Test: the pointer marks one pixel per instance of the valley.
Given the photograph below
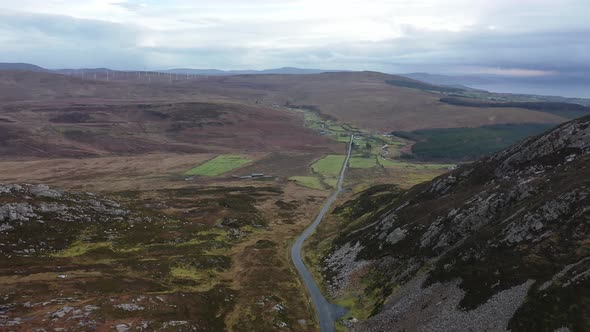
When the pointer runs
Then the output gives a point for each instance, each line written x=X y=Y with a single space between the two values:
x=144 y=203
x=294 y=166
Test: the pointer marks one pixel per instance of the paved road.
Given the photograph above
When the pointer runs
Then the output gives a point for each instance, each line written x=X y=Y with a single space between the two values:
x=326 y=312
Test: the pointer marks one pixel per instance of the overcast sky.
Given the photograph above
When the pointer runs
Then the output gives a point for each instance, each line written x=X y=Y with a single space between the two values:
x=515 y=37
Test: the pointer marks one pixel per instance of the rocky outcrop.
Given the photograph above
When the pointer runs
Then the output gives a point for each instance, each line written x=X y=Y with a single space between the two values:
x=344 y=262
x=494 y=237
x=435 y=308
x=50 y=218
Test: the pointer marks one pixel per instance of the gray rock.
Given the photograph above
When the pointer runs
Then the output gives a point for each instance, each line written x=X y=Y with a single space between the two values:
x=10 y=188
x=435 y=308
x=5 y=227
x=42 y=190
x=174 y=323
x=396 y=235
x=61 y=312
x=129 y=307
x=16 y=212
x=343 y=262
x=52 y=207
x=122 y=327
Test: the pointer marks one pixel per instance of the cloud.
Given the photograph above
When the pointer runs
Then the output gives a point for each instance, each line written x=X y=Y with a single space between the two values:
x=59 y=41
x=528 y=37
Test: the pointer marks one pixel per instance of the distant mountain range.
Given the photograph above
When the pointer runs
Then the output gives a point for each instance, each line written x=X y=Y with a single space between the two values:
x=552 y=85
x=21 y=66
x=217 y=72
x=191 y=71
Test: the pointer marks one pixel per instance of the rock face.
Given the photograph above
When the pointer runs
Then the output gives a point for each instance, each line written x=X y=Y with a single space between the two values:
x=492 y=245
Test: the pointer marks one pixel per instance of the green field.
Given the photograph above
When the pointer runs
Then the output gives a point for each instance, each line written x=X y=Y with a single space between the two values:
x=343 y=138
x=332 y=182
x=219 y=165
x=329 y=166
x=361 y=162
x=308 y=181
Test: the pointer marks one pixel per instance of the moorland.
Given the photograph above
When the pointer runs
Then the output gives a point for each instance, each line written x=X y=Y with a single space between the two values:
x=195 y=187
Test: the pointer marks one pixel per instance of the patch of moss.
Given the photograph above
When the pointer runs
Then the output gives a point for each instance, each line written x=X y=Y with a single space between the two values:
x=265 y=244
x=79 y=248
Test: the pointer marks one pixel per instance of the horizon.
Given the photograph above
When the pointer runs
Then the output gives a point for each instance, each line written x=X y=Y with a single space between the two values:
x=548 y=85
x=502 y=74
x=458 y=37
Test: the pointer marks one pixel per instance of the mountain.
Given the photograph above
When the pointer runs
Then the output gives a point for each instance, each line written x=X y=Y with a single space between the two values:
x=498 y=244
x=201 y=72
x=83 y=70
x=217 y=72
x=21 y=67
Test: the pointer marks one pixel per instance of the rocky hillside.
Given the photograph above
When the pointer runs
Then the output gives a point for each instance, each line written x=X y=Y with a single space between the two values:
x=500 y=244
x=72 y=261
x=35 y=219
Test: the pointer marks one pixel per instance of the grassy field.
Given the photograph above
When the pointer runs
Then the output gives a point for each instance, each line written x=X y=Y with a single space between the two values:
x=219 y=165
x=329 y=166
x=361 y=162
x=468 y=143
x=332 y=182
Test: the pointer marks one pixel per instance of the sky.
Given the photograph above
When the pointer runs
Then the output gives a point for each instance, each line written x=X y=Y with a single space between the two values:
x=525 y=38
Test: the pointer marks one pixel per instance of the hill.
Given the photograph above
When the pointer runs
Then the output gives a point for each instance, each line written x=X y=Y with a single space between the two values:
x=498 y=244
x=21 y=67
x=362 y=99
x=217 y=72
x=87 y=129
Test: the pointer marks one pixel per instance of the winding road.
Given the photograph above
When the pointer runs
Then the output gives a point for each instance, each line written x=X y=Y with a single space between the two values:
x=326 y=312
